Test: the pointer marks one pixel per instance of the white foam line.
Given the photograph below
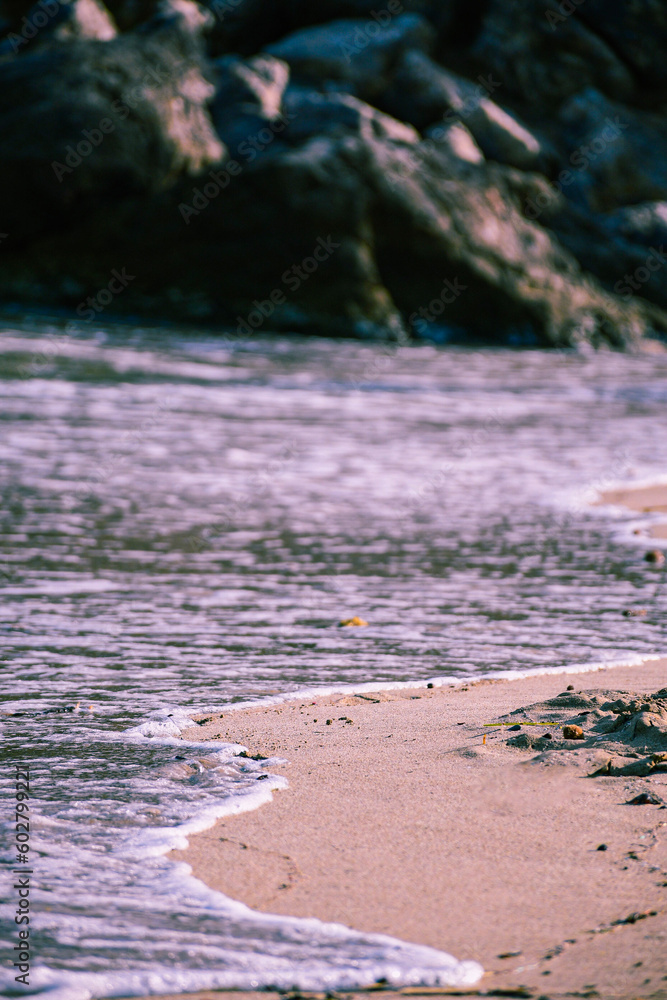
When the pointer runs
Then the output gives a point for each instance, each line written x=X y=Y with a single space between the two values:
x=626 y=532
x=302 y=694
x=156 y=841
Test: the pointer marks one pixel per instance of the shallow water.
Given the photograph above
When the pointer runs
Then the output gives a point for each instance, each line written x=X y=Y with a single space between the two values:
x=185 y=523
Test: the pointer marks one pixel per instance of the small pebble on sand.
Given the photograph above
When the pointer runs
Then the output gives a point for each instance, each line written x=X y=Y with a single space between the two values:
x=645 y=799
x=573 y=733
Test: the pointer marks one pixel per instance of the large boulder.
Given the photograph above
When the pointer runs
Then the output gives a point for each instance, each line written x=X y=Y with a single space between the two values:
x=93 y=120
x=357 y=55
x=247 y=26
x=422 y=93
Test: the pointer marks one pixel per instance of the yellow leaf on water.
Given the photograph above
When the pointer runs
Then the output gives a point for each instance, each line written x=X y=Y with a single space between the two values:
x=353 y=621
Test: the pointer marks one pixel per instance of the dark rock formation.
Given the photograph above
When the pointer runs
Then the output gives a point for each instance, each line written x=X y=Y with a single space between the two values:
x=344 y=168
x=89 y=122
x=50 y=21
x=356 y=55
x=619 y=153
x=423 y=93
x=543 y=56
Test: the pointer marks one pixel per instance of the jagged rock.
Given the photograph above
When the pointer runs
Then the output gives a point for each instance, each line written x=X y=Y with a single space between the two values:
x=90 y=120
x=455 y=141
x=53 y=21
x=645 y=799
x=358 y=55
x=469 y=228
x=421 y=93
x=312 y=114
x=248 y=101
x=348 y=225
x=256 y=84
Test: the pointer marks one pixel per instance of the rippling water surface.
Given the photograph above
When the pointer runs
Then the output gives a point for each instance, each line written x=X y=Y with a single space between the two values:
x=185 y=523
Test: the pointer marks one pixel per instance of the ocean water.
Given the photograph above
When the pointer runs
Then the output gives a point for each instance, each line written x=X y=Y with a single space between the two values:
x=185 y=522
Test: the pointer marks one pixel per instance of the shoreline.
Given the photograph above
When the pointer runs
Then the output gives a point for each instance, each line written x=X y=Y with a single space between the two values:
x=425 y=887
x=490 y=852
x=644 y=500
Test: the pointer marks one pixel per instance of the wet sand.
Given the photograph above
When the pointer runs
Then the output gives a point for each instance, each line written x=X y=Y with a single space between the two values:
x=646 y=500
x=408 y=814
x=400 y=818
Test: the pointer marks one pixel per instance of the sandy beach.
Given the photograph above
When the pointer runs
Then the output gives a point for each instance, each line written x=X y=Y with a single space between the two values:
x=421 y=814
x=646 y=500
x=401 y=818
